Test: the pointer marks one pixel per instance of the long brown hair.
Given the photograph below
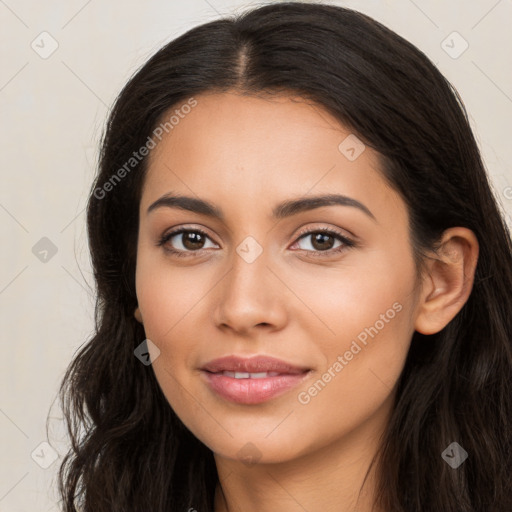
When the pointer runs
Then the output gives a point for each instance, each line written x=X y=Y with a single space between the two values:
x=130 y=452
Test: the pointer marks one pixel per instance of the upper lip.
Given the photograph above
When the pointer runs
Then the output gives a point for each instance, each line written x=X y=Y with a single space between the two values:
x=253 y=364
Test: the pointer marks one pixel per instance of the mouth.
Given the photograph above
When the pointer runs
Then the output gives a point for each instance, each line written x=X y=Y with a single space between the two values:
x=252 y=380
x=248 y=375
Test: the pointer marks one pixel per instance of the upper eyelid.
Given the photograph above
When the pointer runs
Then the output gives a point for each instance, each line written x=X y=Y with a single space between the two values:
x=337 y=231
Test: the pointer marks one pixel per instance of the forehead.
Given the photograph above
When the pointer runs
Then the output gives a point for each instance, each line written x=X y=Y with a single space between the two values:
x=255 y=151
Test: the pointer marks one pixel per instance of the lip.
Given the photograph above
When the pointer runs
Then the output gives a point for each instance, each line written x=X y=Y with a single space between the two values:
x=252 y=364
x=252 y=390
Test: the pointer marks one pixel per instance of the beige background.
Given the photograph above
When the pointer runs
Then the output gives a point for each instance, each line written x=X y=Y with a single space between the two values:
x=53 y=110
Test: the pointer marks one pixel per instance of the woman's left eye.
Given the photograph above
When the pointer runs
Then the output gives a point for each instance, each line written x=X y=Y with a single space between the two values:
x=322 y=240
x=193 y=240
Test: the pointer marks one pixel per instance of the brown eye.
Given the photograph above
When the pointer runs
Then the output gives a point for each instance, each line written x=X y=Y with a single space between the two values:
x=185 y=241
x=192 y=240
x=323 y=242
x=320 y=241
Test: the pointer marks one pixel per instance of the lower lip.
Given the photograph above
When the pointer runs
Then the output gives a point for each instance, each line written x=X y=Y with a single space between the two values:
x=252 y=391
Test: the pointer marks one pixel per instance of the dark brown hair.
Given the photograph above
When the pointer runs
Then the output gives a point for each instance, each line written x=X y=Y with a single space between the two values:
x=130 y=452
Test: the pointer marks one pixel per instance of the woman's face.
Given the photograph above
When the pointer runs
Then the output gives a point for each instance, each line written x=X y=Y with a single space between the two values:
x=260 y=278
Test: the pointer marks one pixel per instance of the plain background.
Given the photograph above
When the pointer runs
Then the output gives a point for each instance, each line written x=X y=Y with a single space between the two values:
x=53 y=111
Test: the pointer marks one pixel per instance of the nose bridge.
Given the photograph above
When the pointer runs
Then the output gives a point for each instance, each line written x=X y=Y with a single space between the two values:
x=248 y=295
x=249 y=272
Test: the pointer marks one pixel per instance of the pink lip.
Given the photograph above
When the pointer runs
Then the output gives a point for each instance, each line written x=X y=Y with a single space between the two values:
x=252 y=390
x=252 y=365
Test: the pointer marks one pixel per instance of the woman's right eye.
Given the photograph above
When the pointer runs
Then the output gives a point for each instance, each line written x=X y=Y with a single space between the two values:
x=190 y=240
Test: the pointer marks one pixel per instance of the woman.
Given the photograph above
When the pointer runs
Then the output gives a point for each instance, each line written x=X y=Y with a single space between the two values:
x=304 y=282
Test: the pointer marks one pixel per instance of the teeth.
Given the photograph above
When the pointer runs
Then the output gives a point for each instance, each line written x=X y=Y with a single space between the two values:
x=246 y=375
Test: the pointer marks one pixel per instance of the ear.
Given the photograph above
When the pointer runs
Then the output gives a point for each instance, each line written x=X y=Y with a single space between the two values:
x=137 y=315
x=448 y=281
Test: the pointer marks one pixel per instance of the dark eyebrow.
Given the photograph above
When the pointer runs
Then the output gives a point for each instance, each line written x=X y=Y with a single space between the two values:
x=281 y=211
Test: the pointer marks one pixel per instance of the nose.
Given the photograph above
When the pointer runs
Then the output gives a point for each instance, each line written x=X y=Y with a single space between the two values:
x=250 y=297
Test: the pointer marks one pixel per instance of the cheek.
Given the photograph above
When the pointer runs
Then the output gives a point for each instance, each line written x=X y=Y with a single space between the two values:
x=362 y=299
x=359 y=377
x=167 y=297
x=167 y=294
x=368 y=311
x=170 y=299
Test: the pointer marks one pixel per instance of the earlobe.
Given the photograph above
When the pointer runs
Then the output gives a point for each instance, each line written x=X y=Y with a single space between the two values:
x=449 y=280
x=137 y=315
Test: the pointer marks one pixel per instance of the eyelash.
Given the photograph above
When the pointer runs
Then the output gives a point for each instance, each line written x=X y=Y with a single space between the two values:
x=347 y=243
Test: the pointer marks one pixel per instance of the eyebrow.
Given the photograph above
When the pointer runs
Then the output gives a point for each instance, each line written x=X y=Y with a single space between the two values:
x=281 y=211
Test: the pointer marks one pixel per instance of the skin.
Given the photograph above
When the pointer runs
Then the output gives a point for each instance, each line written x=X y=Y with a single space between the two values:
x=245 y=155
